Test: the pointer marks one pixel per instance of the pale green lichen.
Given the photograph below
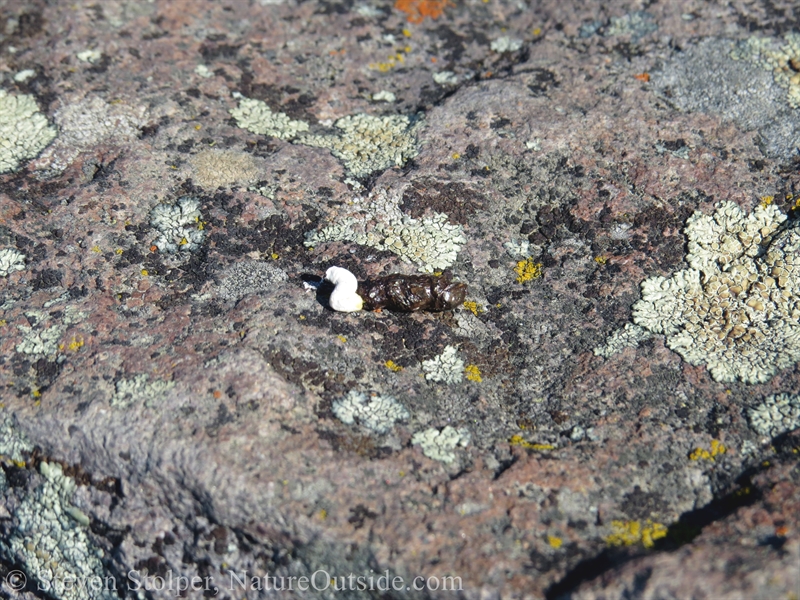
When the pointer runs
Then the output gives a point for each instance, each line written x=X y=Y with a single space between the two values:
x=257 y=117
x=384 y=96
x=11 y=260
x=377 y=413
x=506 y=44
x=783 y=60
x=48 y=540
x=39 y=342
x=629 y=336
x=431 y=242
x=179 y=224
x=367 y=143
x=14 y=445
x=447 y=367
x=445 y=78
x=778 y=414
x=441 y=445
x=24 y=131
x=637 y=24
x=140 y=389
x=736 y=308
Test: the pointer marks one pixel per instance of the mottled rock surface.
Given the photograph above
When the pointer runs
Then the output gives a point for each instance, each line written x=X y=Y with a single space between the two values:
x=158 y=343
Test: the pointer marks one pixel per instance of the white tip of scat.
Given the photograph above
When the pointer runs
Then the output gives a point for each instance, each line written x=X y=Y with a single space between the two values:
x=344 y=297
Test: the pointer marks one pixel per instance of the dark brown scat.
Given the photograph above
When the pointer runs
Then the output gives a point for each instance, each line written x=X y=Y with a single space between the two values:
x=409 y=293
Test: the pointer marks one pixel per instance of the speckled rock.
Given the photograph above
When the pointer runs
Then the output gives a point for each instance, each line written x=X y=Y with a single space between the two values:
x=158 y=344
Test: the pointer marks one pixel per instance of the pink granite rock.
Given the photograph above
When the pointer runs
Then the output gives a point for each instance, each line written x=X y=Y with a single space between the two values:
x=160 y=345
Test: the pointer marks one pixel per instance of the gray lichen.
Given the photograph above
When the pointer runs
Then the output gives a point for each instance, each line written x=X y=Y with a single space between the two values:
x=705 y=78
x=431 y=242
x=257 y=117
x=367 y=143
x=180 y=225
x=250 y=277
x=24 y=131
x=781 y=60
x=377 y=413
x=447 y=367
x=49 y=541
x=440 y=445
x=11 y=260
x=736 y=308
x=86 y=123
x=778 y=414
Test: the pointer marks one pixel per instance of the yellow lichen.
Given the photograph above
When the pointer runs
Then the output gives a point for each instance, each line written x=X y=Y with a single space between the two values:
x=555 y=542
x=473 y=373
x=717 y=448
x=628 y=533
x=342 y=338
x=527 y=270
x=76 y=344
x=766 y=201
x=518 y=440
x=600 y=260
x=96 y=249
x=393 y=366
x=473 y=307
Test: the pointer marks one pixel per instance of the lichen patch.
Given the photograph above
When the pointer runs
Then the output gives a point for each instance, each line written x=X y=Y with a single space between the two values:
x=736 y=308
x=378 y=414
x=257 y=117
x=24 y=131
x=220 y=168
x=431 y=242
x=367 y=143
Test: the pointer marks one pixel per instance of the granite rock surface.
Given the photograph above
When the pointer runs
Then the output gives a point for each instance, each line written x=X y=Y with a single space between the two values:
x=171 y=392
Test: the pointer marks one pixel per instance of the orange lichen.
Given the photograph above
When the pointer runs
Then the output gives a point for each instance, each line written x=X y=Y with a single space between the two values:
x=642 y=77
x=417 y=10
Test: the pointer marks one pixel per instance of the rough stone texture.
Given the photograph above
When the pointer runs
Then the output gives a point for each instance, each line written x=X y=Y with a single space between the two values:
x=190 y=395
